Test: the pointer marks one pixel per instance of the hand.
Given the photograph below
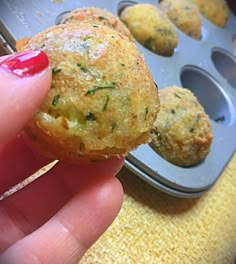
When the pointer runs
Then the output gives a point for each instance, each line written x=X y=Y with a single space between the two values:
x=56 y=218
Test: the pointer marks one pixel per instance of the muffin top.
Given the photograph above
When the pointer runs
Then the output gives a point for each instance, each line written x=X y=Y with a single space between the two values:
x=103 y=100
x=185 y=15
x=94 y=15
x=151 y=28
x=182 y=132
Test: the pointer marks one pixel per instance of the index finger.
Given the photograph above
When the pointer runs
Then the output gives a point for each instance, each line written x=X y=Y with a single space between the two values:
x=25 y=81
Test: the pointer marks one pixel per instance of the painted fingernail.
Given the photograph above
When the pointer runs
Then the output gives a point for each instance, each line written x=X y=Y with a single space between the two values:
x=26 y=63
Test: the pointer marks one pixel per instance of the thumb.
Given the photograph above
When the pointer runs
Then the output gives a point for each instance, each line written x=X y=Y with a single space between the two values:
x=25 y=80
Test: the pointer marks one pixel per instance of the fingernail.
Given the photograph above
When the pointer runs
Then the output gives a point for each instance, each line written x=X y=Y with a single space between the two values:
x=26 y=63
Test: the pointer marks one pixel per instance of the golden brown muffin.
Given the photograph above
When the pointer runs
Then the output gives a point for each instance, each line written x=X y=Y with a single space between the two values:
x=151 y=28
x=102 y=101
x=182 y=132
x=214 y=10
x=185 y=15
x=94 y=15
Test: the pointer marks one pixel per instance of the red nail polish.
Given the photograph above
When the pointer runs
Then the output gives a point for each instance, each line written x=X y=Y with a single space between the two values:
x=26 y=63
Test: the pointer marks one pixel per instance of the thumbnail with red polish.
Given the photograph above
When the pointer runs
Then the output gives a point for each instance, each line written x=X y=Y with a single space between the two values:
x=26 y=63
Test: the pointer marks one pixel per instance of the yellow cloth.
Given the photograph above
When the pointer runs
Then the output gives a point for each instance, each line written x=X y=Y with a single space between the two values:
x=153 y=227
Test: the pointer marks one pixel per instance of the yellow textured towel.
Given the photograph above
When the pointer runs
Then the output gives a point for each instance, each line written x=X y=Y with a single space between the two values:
x=153 y=227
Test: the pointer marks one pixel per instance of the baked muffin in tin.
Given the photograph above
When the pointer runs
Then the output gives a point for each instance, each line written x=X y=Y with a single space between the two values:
x=216 y=11
x=185 y=15
x=182 y=132
x=95 y=15
x=151 y=27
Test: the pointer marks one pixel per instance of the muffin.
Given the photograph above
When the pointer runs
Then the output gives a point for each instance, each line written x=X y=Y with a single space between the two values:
x=182 y=132
x=185 y=15
x=94 y=15
x=151 y=28
x=214 y=10
x=103 y=100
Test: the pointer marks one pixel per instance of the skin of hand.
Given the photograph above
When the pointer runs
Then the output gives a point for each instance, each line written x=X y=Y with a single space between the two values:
x=57 y=217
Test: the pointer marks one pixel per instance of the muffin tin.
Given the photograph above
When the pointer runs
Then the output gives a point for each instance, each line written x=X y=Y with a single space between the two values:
x=207 y=67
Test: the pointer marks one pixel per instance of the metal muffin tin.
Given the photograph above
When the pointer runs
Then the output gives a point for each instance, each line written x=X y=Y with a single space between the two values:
x=207 y=67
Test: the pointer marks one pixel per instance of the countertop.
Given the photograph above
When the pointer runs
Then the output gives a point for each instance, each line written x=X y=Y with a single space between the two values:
x=153 y=227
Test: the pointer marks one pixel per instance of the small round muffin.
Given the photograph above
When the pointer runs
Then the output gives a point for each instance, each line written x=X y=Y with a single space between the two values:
x=182 y=132
x=185 y=15
x=214 y=10
x=103 y=100
x=94 y=15
x=151 y=27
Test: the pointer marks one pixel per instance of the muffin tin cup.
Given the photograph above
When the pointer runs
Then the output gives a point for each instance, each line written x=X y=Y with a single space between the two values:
x=207 y=67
